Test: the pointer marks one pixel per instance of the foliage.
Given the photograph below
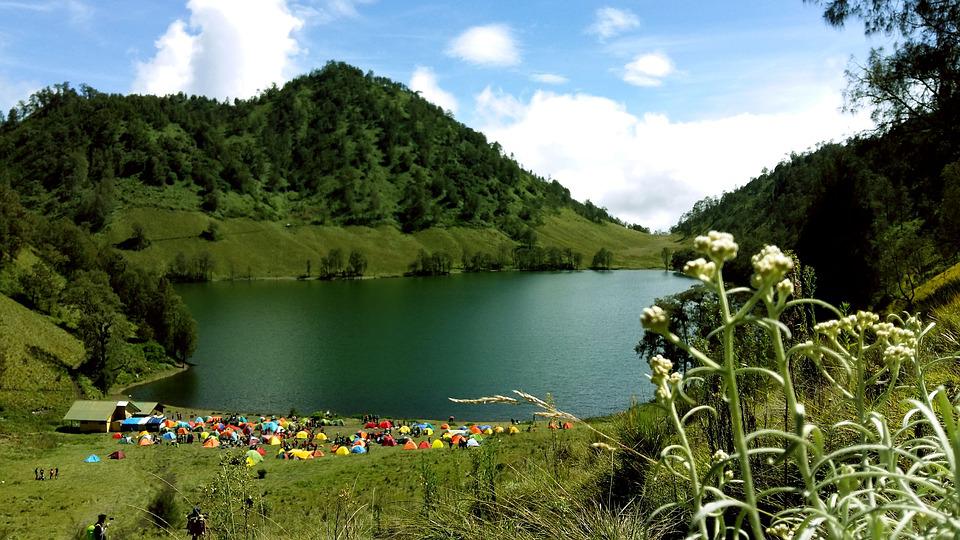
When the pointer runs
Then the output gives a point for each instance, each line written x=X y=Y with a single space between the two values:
x=602 y=260
x=100 y=323
x=431 y=264
x=233 y=501
x=875 y=476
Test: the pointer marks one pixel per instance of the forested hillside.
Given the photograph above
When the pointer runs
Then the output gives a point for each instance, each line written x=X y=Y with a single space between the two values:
x=335 y=147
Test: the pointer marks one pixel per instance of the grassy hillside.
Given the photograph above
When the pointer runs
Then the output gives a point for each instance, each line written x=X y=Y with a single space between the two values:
x=34 y=358
x=272 y=249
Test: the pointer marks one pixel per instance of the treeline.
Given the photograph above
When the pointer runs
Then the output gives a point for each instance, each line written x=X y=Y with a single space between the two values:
x=106 y=302
x=333 y=265
x=336 y=146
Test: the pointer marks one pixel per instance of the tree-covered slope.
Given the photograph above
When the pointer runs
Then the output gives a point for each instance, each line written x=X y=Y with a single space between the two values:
x=335 y=147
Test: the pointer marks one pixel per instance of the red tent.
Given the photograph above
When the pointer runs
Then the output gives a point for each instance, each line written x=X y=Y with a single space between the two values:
x=386 y=424
x=424 y=445
x=261 y=451
x=388 y=441
x=117 y=436
x=567 y=425
x=118 y=455
x=369 y=425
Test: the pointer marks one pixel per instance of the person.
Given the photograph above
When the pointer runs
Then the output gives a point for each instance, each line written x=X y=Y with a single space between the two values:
x=196 y=523
x=98 y=531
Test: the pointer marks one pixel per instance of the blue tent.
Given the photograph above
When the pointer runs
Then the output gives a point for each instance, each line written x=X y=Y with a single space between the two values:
x=198 y=420
x=484 y=427
x=169 y=436
x=358 y=450
x=270 y=426
x=92 y=458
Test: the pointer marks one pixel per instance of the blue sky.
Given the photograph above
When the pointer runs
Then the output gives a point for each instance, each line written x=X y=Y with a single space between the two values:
x=641 y=106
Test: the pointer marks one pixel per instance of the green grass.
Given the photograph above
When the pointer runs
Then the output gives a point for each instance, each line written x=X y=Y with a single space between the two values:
x=303 y=496
x=34 y=357
x=267 y=249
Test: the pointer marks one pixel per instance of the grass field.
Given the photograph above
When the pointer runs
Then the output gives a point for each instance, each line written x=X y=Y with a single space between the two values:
x=306 y=499
x=267 y=249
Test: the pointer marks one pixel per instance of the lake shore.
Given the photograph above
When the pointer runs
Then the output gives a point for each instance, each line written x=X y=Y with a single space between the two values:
x=123 y=391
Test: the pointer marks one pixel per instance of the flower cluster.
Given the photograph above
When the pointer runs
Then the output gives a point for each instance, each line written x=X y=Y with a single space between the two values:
x=898 y=354
x=662 y=378
x=701 y=269
x=655 y=319
x=719 y=246
x=853 y=324
x=780 y=530
x=770 y=266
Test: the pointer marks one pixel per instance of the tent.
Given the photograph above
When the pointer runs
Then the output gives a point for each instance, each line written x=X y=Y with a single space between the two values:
x=475 y=430
x=117 y=435
x=446 y=436
x=473 y=443
x=211 y=442
x=484 y=427
x=168 y=436
x=198 y=420
x=388 y=441
x=428 y=432
x=444 y=426
x=303 y=435
x=552 y=425
x=254 y=455
x=404 y=429
x=513 y=430
x=343 y=451
x=145 y=441
x=320 y=436
x=370 y=425
x=568 y=425
x=456 y=438
x=476 y=437
x=301 y=454
x=204 y=435
x=386 y=424
x=358 y=450
x=274 y=441
x=261 y=451
x=359 y=442
x=92 y=458
x=424 y=445
x=437 y=444
x=269 y=426
x=488 y=431
x=125 y=440
x=118 y=455
x=254 y=440
x=318 y=453
x=498 y=429
x=410 y=445
x=182 y=431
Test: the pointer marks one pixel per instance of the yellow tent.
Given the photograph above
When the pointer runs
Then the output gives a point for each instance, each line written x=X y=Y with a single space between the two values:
x=320 y=436
x=204 y=435
x=343 y=451
x=498 y=429
x=142 y=433
x=428 y=432
x=274 y=441
x=404 y=429
x=437 y=444
x=302 y=454
x=302 y=435
x=488 y=431
x=513 y=429
x=446 y=435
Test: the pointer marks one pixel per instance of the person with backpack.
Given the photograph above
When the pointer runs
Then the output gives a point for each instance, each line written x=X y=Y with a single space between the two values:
x=196 y=523
x=98 y=531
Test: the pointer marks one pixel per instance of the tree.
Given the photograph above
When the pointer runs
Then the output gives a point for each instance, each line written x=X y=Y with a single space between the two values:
x=357 y=264
x=921 y=73
x=99 y=320
x=138 y=238
x=15 y=223
x=913 y=262
x=40 y=287
x=950 y=206
x=665 y=257
x=602 y=260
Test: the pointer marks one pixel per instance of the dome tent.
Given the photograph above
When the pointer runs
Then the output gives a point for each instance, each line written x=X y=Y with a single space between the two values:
x=92 y=458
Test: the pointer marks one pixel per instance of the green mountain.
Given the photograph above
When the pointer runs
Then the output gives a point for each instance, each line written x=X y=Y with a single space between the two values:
x=335 y=147
x=874 y=216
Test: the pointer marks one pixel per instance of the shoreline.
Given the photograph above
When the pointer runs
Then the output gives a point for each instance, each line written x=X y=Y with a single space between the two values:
x=153 y=377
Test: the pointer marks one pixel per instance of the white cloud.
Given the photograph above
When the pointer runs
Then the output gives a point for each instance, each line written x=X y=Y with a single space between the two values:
x=610 y=22
x=424 y=81
x=327 y=11
x=549 y=78
x=490 y=45
x=13 y=92
x=229 y=49
x=648 y=169
x=648 y=69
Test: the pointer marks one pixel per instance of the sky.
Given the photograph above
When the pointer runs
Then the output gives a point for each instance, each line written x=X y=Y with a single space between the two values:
x=643 y=107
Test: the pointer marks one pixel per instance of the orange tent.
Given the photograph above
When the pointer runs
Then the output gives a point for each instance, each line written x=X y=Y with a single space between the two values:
x=410 y=445
x=456 y=439
x=182 y=431
x=444 y=426
x=317 y=453
x=567 y=425
x=475 y=429
x=211 y=442
x=145 y=441
x=551 y=425
x=424 y=445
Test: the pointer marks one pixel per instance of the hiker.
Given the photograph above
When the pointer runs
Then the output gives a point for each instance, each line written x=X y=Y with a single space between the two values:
x=196 y=523
x=98 y=531
x=51 y=473
x=41 y=473
x=56 y=472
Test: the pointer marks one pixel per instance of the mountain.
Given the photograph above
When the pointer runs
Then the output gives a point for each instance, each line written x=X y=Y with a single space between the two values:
x=874 y=216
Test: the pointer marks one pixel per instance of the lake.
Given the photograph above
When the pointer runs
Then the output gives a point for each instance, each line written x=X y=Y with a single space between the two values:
x=401 y=347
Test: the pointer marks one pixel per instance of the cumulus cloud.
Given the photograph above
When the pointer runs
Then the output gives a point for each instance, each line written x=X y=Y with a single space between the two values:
x=229 y=49
x=610 y=22
x=424 y=81
x=490 y=45
x=649 y=169
x=648 y=69
x=549 y=78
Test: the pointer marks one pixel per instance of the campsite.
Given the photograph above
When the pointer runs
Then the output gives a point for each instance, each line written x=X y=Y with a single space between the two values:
x=304 y=492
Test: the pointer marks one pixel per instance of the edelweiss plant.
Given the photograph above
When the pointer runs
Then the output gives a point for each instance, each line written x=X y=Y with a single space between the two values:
x=894 y=479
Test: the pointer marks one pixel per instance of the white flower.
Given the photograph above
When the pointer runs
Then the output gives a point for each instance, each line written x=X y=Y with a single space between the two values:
x=660 y=369
x=655 y=319
x=830 y=329
x=719 y=456
x=701 y=269
x=770 y=265
x=785 y=288
x=866 y=319
x=719 y=246
x=897 y=354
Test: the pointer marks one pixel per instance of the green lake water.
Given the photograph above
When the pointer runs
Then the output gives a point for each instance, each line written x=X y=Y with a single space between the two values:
x=401 y=347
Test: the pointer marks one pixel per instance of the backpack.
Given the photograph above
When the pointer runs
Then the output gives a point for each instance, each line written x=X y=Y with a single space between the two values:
x=90 y=532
